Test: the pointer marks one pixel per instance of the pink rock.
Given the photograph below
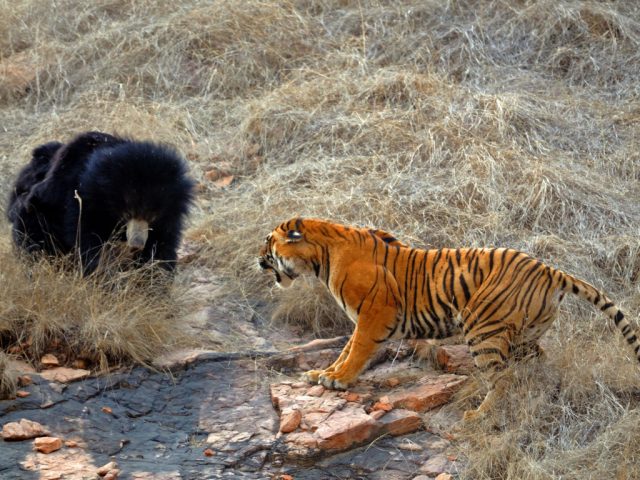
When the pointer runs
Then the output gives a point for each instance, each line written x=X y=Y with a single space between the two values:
x=303 y=439
x=385 y=406
x=444 y=476
x=400 y=422
x=434 y=392
x=103 y=470
x=290 y=420
x=435 y=466
x=23 y=430
x=64 y=374
x=377 y=414
x=455 y=359
x=344 y=429
x=316 y=391
x=47 y=444
x=49 y=361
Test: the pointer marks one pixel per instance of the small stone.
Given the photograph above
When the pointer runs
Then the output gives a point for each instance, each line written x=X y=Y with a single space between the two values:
x=386 y=406
x=47 y=444
x=352 y=397
x=103 y=470
x=316 y=391
x=79 y=363
x=112 y=474
x=23 y=430
x=49 y=361
x=290 y=420
x=24 y=380
x=444 y=476
x=393 y=382
x=435 y=466
x=377 y=414
x=22 y=393
x=64 y=374
x=71 y=444
x=209 y=453
x=410 y=447
x=284 y=476
x=107 y=410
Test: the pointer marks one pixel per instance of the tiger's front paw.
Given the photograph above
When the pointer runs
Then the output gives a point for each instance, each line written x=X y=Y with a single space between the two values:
x=330 y=381
x=312 y=376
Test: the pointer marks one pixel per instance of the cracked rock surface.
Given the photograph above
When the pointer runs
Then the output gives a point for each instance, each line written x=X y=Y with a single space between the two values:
x=156 y=425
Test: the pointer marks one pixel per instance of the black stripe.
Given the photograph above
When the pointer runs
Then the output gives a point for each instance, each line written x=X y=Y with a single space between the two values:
x=618 y=318
x=435 y=262
x=632 y=339
x=606 y=305
x=344 y=305
x=475 y=340
x=453 y=280
x=489 y=351
x=465 y=288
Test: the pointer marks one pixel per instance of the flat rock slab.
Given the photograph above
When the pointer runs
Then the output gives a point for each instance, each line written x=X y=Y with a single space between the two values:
x=315 y=421
x=64 y=374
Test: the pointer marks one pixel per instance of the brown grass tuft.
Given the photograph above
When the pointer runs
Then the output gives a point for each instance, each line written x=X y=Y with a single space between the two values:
x=116 y=318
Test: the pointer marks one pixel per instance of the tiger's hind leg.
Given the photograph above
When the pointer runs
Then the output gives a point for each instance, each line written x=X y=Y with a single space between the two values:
x=528 y=350
x=490 y=356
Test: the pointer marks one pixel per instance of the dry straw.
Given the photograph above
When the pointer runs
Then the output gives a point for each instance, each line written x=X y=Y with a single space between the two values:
x=446 y=122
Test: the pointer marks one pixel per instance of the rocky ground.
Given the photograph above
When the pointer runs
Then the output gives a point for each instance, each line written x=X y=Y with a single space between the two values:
x=204 y=414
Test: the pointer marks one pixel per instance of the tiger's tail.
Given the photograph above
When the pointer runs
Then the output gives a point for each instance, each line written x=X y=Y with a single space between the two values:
x=587 y=291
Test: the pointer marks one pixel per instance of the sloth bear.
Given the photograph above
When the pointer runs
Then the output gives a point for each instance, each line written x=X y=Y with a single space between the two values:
x=99 y=188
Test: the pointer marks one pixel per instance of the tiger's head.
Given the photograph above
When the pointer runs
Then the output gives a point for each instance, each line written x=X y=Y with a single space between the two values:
x=287 y=253
x=297 y=247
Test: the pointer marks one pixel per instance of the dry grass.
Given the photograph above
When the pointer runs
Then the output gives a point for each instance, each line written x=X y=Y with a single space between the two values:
x=113 y=319
x=447 y=123
x=8 y=378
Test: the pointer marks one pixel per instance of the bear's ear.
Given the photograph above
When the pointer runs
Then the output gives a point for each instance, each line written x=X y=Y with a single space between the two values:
x=293 y=236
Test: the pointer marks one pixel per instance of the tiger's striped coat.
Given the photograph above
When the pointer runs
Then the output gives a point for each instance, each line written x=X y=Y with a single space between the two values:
x=500 y=299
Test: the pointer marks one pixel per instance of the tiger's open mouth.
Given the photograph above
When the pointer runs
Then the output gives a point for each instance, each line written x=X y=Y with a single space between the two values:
x=267 y=264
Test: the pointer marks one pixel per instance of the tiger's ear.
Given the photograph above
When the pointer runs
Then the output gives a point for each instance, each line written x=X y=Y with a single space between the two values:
x=293 y=236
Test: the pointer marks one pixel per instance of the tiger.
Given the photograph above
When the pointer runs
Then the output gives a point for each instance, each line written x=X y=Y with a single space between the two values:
x=500 y=300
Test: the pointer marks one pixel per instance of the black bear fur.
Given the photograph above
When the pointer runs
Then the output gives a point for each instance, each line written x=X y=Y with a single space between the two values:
x=79 y=196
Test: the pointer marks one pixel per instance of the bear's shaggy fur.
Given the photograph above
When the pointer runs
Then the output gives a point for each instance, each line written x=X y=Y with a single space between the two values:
x=98 y=188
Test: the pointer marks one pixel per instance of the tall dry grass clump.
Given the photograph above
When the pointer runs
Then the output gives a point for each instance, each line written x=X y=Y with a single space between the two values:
x=116 y=318
x=448 y=123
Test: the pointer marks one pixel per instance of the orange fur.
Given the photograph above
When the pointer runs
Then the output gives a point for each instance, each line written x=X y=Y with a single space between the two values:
x=501 y=300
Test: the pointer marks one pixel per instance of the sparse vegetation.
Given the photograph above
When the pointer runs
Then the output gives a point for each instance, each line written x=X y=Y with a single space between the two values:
x=448 y=123
x=104 y=320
